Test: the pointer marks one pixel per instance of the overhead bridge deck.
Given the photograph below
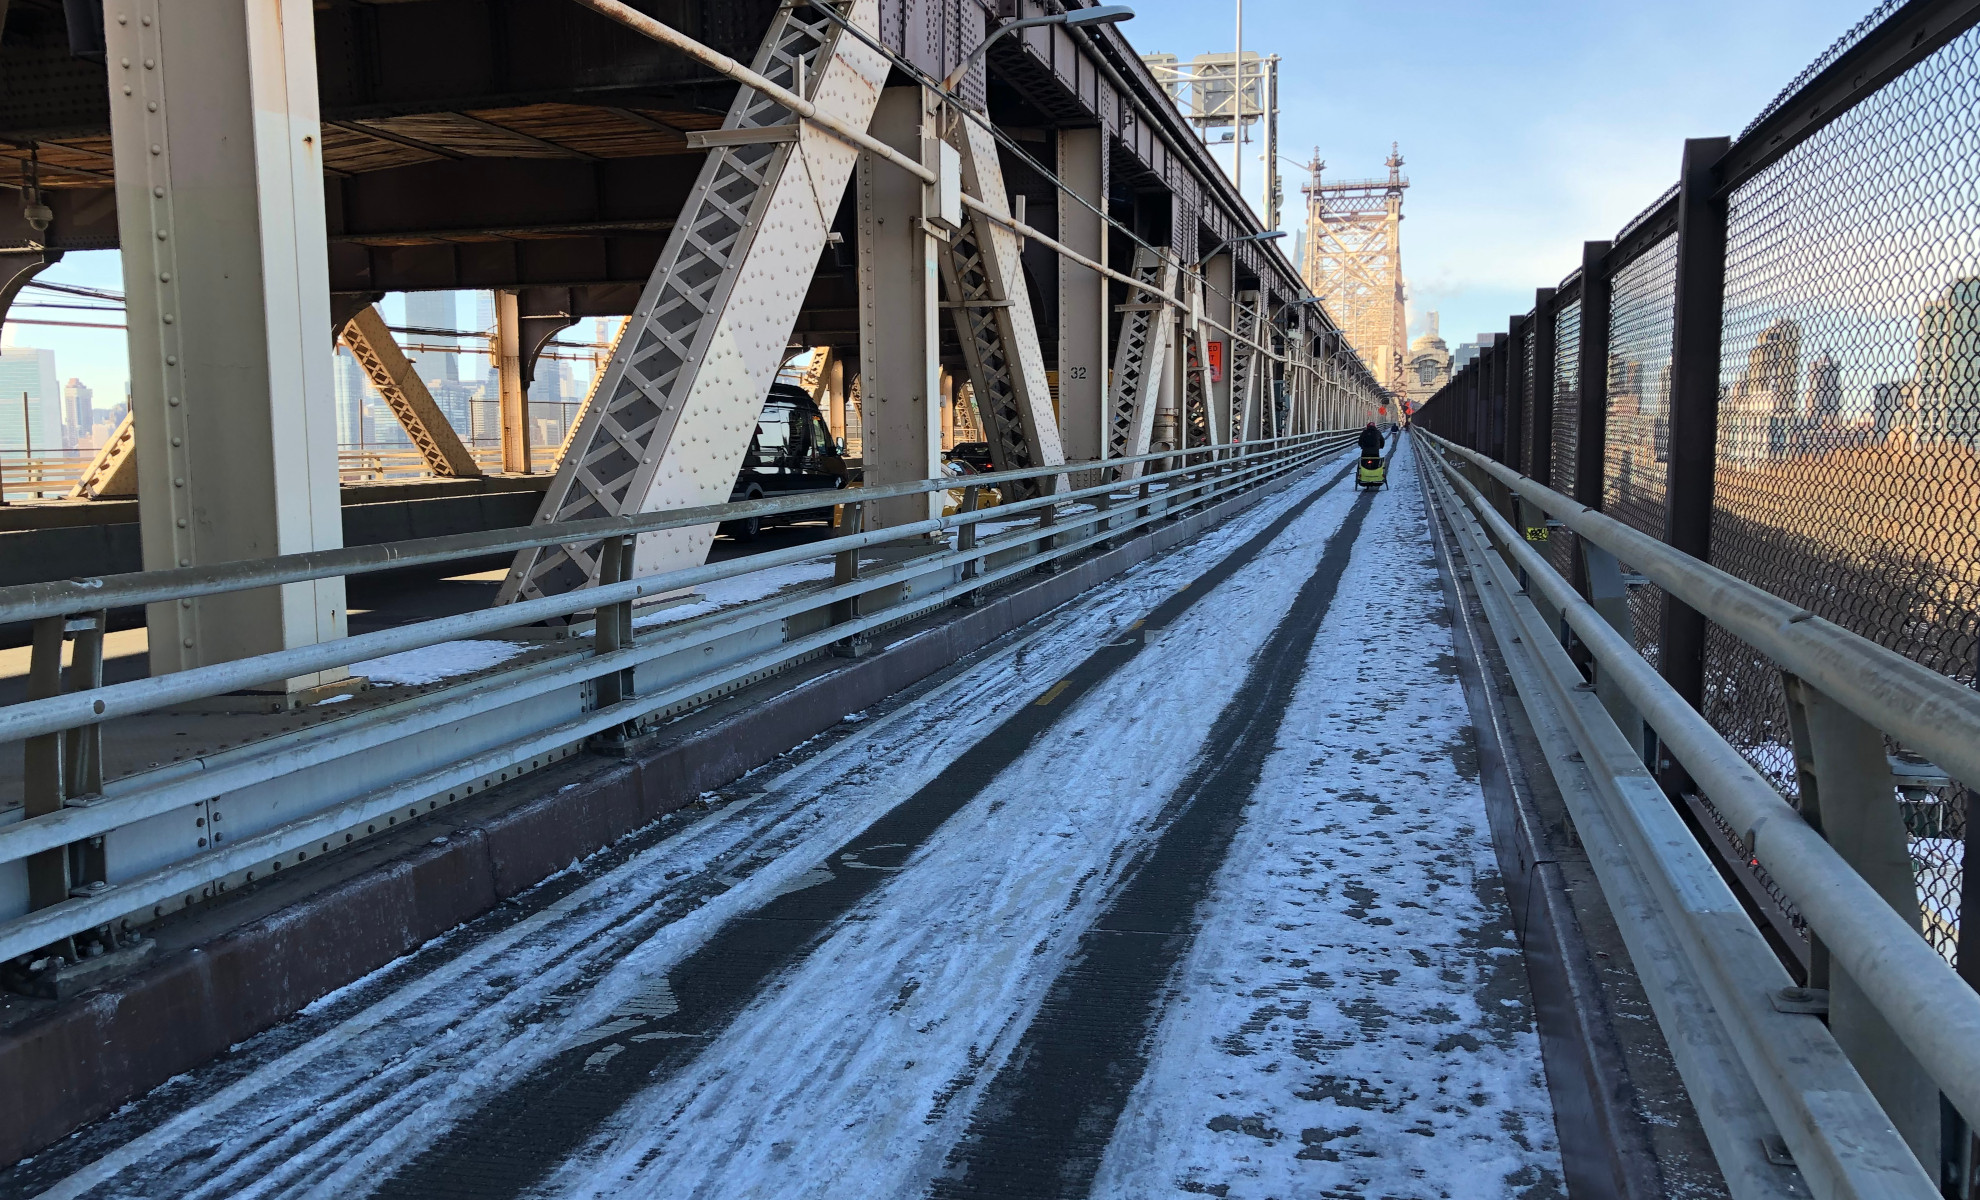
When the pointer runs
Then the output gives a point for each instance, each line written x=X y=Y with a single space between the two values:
x=1189 y=884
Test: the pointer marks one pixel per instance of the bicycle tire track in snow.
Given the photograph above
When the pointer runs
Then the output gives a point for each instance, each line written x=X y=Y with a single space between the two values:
x=684 y=1041
x=333 y=1100
x=1353 y=1018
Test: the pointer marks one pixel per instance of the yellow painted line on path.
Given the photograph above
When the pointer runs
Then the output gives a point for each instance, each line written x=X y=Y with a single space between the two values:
x=1052 y=695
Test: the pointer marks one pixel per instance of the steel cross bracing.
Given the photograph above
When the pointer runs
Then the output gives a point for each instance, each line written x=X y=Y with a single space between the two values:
x=1202 y=422
x=1140 y=357
x=393 y=374
x=1244 y=357
x=113 y=472
x=994 y=321
x=683 y=390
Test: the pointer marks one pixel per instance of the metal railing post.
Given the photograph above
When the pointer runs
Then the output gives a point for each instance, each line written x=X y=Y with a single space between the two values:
x=1515 y=392
x=1848 y=794
x=1047 y=517
x=1499 y=396
x=966 y=542
x=1592 y=402
x=1696 y=335
x=1540 y=438
x=59 y=766
x=845 y=569
x=612 y=623
x=48 y=871
x=1591 y=437
x=1609 y=596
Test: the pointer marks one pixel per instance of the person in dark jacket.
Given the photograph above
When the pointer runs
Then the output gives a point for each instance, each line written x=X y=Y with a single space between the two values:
x=1371 y=442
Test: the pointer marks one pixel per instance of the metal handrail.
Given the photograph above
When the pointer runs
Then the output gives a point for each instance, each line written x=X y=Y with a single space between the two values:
x=1923 y=709
x=1934 y=1012
x=54 y=714
x=133 y=798
x=56 y=598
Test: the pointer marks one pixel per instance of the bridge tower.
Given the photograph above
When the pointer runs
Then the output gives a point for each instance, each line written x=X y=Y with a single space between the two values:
x=1353 y=262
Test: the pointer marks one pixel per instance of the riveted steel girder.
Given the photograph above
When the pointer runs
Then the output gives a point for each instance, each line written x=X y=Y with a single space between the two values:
x=1203 y=423
x=684 y=388
x=112 y=474
x=994 y=321
x=1246 y=412
x=392 y=373
x=1140 y=357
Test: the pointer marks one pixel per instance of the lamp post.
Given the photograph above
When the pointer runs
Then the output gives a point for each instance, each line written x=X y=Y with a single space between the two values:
x=1104 y=14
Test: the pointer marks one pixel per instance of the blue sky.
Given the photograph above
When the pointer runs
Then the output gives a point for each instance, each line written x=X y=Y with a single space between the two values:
x=1528 y=127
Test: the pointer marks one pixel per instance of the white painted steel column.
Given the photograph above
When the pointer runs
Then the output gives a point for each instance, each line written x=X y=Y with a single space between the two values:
x=994 y=319
x=899 y=285
x=1219 y=275
x=678 y=403
x=219 y=162
x=512 y=396
x=1083 y=296
x=1168 y=431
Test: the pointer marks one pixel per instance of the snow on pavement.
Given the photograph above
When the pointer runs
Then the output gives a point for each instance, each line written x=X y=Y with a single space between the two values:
x=858 y=1069
x=1353 y=1018
x=330 y=1101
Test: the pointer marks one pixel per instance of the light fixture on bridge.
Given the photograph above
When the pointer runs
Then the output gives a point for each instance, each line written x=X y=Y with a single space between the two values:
x=1227 y=243
x=1104 y=14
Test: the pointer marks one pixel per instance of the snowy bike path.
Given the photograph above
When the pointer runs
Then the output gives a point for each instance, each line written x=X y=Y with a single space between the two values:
x=753 y=1005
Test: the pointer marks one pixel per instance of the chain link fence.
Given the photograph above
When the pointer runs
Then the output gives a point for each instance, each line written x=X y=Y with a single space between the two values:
x=1846 y=466
x=1849 y=414
x=1637 y=454
x=1567 y=418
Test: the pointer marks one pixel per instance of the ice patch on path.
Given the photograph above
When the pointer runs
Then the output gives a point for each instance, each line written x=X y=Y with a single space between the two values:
x=431 y=664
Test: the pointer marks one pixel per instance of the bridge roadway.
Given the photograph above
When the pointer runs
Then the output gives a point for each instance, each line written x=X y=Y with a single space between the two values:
x=1186 y=889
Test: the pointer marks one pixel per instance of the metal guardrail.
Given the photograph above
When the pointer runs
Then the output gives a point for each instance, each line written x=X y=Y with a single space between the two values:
x=1767 y=369
x=43 y=475
x=339 y=780
x=378 y=464
x=1847 y=1096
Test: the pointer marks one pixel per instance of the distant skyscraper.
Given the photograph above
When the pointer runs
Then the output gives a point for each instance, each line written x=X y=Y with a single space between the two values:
x=351 y=387
x=30 y=400
x=1894 y=409
x=1823 y=400
x=1467 y=352
x=1949 y=364
x=1759 y=415
x=433 y=310
x=78 y=417
x=1428 y=366
x=484 y=320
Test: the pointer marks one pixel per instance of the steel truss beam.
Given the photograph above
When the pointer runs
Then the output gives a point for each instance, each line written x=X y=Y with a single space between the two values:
x=1247 y=416
x=680 y=398
x=1203 y=423
x=392 y=373
x=112 y=474
x=1140 y=358
x=994 y=322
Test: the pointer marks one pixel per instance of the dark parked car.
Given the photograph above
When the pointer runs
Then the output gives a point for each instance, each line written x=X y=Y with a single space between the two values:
x=793 y=451
x=976 y=454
